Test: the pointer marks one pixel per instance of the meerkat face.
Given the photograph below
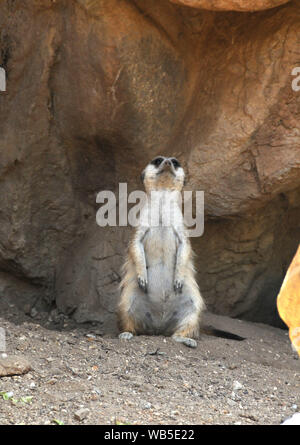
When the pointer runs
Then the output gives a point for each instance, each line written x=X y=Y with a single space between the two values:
x=163 y=173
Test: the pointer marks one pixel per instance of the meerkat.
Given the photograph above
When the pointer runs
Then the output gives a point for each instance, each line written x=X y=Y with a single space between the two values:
x=159 y=292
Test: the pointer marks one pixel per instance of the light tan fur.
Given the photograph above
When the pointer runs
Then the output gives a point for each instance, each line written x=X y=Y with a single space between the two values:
x=159 y=293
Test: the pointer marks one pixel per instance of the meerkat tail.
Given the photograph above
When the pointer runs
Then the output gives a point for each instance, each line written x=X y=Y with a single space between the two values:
x=209 y=330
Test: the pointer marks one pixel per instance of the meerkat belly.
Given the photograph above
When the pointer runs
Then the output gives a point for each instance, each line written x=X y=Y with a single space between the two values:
x=161 y=302
x=160 y=253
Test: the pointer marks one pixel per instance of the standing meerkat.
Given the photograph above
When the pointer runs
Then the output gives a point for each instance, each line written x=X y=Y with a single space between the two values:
x=159 y=293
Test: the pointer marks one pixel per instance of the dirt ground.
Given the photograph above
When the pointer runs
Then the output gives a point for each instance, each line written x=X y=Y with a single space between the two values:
x=80 y=376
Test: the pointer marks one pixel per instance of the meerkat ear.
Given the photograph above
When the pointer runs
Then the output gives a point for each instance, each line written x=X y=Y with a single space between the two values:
x=143 y=177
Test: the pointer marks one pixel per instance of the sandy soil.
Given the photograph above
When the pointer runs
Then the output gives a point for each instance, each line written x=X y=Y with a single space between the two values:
x=80 y=376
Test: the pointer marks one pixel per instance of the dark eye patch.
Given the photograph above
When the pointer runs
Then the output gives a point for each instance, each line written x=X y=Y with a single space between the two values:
x=175 y=162
x=157 y=161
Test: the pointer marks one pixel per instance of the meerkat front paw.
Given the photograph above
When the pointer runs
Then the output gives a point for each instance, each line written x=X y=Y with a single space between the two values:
x=142 y=282
x=125 y=336
x=189 y=342
x=178 y=285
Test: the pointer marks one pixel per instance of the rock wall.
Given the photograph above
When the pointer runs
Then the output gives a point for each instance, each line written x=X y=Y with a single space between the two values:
x=95 y=89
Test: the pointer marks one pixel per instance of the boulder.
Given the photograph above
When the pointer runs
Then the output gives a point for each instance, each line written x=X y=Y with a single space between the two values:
x=13 y=365
x=95 y=89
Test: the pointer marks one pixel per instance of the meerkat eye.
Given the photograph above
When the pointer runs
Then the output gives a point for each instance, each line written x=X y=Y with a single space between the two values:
x=175 y=163
x=157 y=161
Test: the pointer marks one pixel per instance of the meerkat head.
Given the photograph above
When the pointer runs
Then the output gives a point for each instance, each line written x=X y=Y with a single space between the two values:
x=163 y=173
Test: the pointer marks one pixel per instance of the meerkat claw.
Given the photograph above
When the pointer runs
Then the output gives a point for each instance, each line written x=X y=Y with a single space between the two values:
x=142 y=282
x=178 y=285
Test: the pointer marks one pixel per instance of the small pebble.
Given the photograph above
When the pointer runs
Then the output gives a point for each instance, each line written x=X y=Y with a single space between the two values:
x=231 y=402
x=237 y=385
x=146 y=405
x=81 y=413
x=33 y=312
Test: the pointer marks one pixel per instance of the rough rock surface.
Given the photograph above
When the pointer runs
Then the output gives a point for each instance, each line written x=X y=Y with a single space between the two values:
x=94 y=90
x=231 y=5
